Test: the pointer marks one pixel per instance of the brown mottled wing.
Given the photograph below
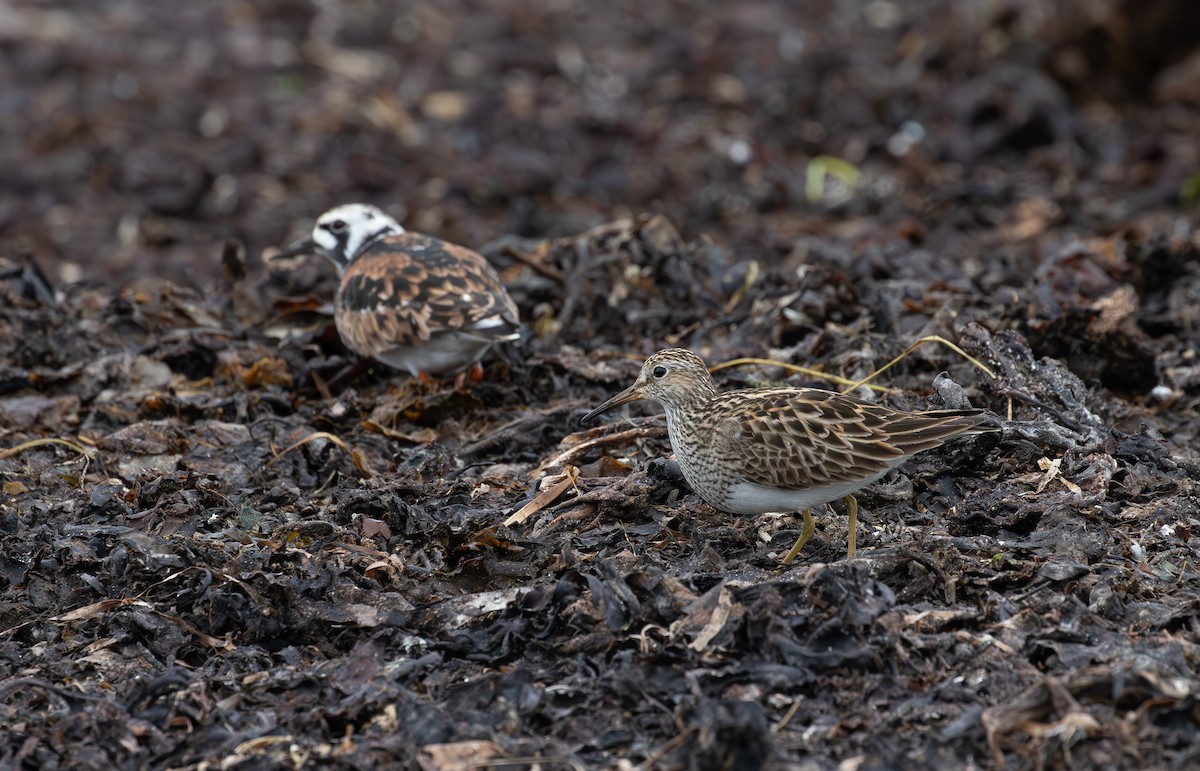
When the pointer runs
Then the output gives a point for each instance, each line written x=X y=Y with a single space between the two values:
x=405 y=289
x=795 y=439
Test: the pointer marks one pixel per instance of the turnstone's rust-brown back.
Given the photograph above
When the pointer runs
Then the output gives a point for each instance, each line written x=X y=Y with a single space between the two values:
x=405 y=289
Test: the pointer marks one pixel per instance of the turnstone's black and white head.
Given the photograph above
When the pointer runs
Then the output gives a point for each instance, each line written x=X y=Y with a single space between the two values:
x=344 y=231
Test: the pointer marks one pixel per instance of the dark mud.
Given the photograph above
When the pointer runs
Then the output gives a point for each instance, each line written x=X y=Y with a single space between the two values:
x=206 y=558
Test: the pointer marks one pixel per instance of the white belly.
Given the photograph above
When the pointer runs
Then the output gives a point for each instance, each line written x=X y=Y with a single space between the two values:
x=749 y=498
x=444 y=354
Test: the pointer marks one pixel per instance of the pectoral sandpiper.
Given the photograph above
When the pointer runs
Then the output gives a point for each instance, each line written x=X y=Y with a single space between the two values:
x=782 y=449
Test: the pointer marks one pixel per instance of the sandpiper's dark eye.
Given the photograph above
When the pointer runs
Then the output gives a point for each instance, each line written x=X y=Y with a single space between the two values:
x=660 y=371
x=337 y=226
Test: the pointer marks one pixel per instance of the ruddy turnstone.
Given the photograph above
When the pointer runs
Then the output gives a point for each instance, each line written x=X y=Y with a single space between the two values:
x=411 y=301
x=782 y=449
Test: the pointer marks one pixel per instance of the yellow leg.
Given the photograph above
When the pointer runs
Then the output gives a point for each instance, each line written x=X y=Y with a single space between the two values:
x=805 y=534
x=852 y=540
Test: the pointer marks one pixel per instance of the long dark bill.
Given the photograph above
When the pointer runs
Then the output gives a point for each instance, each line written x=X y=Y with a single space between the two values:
x=630 y=394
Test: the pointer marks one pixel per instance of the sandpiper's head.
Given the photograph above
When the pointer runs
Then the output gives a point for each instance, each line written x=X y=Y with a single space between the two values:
x=344 y=231
x=673 y=377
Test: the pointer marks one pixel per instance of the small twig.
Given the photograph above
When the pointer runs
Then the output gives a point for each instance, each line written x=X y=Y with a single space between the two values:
x=568 y=456
x=554 y=274
x=519 y=428
x=544 y=498
x=579 y=506
x=583 y=253
x=355 y=456
x=13 y=683
x=322 y=387
x=794 y=368
x=661 y=752
x=735 y=299
x=787 y=717
x=914 y=346
x=11 y=451
x=533 y=761
x=1021 y=396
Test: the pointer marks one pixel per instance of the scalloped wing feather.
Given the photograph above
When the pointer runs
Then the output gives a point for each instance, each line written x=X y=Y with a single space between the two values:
x=795 y=439
x=404 y=289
